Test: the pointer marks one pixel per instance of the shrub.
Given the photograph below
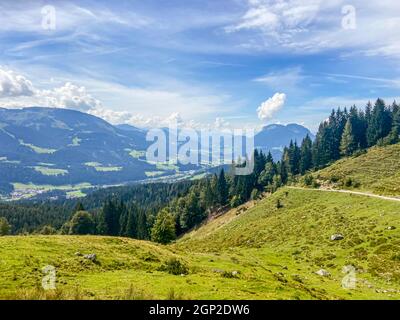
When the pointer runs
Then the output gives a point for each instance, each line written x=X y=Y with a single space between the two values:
x=81 y=223
x=235 y=201
x=230 y=275
x=47 y=230
x=308 y=180
x=5 y=227
x=348 y=182
x=254 y=194
x=175 y=267
x=279 y=205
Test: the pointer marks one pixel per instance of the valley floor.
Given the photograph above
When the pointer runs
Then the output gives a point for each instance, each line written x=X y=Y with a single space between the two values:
x=258 y=251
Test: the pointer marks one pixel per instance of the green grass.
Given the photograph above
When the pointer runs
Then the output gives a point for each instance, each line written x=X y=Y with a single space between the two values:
x=75 y=142
x=199 y=176
x=29 y=190
x=275 y=253
x=37 y=149
x=75 y=194
x=167 y=167
x=136 y=154
x=151 y=174
x=100 y=168
x=5 y=160
x=377 y=171
x=50 y=171
x=256 y=251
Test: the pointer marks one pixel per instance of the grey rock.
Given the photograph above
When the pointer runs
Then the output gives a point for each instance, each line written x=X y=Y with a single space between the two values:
x=336 y=237
x=91 y=257
x=323 y=273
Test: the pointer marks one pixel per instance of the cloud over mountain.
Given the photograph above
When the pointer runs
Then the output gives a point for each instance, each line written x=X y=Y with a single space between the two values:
x=14 y=85
x=268 y=108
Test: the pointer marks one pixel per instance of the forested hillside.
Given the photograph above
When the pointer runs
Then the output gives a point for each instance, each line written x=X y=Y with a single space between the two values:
x=163 y=212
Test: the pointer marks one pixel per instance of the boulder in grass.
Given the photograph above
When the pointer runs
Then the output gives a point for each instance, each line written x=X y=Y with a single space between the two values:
x=336 y=237
x=323 y=273
x=91 y=256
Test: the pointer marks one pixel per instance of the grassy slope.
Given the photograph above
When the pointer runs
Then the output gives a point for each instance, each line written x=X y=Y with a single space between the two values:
x=377 y=171
x=275 y=251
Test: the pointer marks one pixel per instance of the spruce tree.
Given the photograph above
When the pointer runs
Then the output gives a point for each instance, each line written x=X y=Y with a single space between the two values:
x=306 y=155
x=348 y=144
x=131 y=224
x=223 y=191
x=380 y=123
x=142 y=232
x=163 y=230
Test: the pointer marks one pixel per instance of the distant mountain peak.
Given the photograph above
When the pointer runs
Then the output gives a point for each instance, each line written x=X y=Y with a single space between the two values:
x=274 y=137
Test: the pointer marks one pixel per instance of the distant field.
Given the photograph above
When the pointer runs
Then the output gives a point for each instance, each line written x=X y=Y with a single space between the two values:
x=29 y=190
x=254 y=252
x=100 y=168
x=151 y=174
x=37 y=149
x=50 y=171
x=137 y=154
x=377 y=171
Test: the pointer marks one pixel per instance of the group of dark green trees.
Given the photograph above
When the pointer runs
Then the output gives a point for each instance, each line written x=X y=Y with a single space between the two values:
x=347 y=132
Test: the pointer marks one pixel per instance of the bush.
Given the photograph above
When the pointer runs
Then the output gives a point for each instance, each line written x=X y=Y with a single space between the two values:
x=5 y=227
x=255 y=194
x=47 y=230
x=230 y=275
x=235 y=201
x=82 y=223
x=308 y=180
x=175 y=267
x=348 y=182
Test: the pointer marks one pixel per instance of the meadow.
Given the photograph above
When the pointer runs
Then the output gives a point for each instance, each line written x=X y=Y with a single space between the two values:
x=257 y=251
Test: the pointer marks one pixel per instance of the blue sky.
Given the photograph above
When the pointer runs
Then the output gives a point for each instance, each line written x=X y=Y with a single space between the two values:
x=235 y=63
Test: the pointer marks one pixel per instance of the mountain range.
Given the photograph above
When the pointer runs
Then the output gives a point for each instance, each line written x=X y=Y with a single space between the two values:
x=62 y=151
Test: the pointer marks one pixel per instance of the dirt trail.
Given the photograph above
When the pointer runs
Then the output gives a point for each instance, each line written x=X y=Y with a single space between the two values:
x=351 y=192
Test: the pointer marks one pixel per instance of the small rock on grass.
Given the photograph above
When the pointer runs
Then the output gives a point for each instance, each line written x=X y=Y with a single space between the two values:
x=323 y=273
x=336 y=237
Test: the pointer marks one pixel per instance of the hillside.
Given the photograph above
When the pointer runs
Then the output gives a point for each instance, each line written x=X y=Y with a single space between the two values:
x=376 y=171
x=257 y=253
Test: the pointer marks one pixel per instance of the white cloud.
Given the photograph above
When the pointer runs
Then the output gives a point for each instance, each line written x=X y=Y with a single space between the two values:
x=14 y=85
x=283 y=80
x=27 y=17
x=143 y=107
x=277 y=16
x=268 y=108
x=69 y=96
x=384 y=82
x=316 y=26
x=221 y=123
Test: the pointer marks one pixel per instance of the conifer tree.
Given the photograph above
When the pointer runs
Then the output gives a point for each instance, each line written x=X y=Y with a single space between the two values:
x=142 y=232
x=348 y=144
x=163 y=230
x=306 y=155
x=131 y=224
x=223 y=191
